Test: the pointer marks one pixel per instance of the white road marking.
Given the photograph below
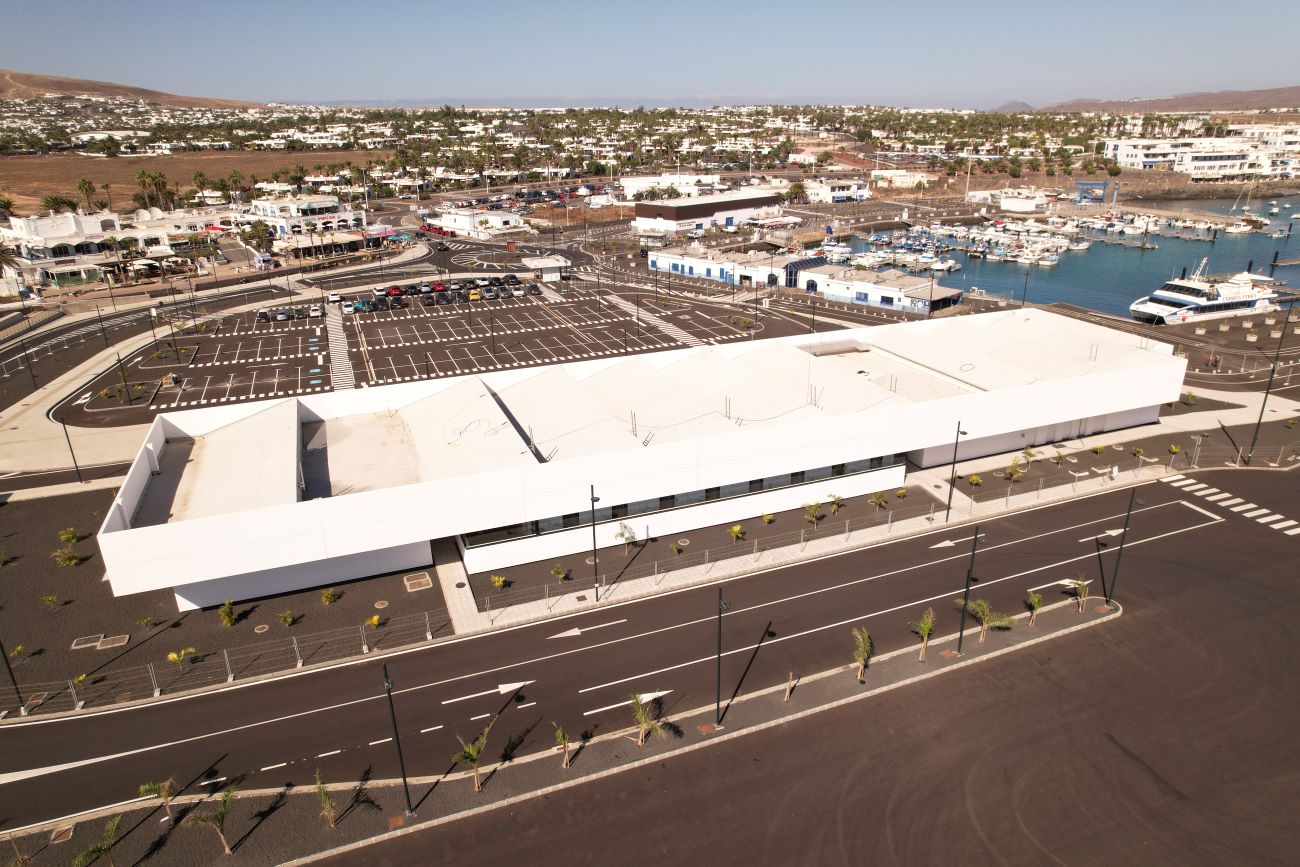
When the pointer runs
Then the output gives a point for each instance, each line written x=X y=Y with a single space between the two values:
x=429 y=729
x=905 y=605
x=480 y=716
x=1064 y=582
x=1244 y=507
x=1217 y=497
x=273 y=767
x=1284 y=525
x=948 y=543
x=1172 y=479
x=1193 y=488
x=578 y=630
x=1253 y=514
x=502 y=689
x=522 y=706
x=330 y=753
x=1183 y=482
x=1206 y=492
x=1268 y=519
x=1196 y=508
x=1293 y=532
x=648 y=696
x=1234 y=501
x=213 y=782
x=378 y=742
x=1102 y=533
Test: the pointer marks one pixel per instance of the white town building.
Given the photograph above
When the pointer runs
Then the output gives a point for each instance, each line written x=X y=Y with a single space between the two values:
x=705 y=212
x=685 y=185
x=298 y=215
x=248 y=500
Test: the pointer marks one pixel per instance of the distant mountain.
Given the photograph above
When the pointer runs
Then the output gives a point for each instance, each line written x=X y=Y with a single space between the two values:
x=1013 y=108
x=31 y=85
x=1223 y=100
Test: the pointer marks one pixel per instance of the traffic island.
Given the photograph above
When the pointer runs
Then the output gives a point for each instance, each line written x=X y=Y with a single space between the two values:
x=286 y=824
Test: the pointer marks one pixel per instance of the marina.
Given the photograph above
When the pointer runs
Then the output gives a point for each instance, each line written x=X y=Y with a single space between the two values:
x=1102 y=271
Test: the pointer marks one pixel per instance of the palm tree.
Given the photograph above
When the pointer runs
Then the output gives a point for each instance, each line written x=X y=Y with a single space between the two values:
x=1080 y=587
x=7 y=206
x=472 y=753
x=987 y=617
x=106 y=187
x=796 y=192
x=86 y=187
x=861 y=651
x=879 y=500
x=102 y=849
x=646 y=716
x=1035 y=602
x=562 y=741
x=8 y=260
x=162 y=791
x=58 y=203
x=924 y=628
x=812 y=513
x=142 y=181
x=836 y=503
x=216 y=820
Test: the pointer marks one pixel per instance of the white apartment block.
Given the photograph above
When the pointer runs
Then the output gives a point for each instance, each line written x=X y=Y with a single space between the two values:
x=290 y=215
x=1267 y=152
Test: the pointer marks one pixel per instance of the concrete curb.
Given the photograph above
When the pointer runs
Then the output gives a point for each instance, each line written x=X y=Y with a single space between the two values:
x=763 y=726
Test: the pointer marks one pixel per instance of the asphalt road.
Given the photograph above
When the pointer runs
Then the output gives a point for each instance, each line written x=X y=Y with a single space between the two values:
x=271 y=733
x=1167 y=737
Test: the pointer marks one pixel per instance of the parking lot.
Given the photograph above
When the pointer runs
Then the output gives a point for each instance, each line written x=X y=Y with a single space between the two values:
x=221 y=359
x=419 y=342
x=229 y=358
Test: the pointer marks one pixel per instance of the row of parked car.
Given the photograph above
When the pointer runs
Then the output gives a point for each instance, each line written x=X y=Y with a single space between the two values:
x=430 y=294
x=286 y=313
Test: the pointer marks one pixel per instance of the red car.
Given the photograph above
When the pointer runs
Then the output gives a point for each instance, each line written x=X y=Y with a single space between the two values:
x=394 y=290
x=439 y=287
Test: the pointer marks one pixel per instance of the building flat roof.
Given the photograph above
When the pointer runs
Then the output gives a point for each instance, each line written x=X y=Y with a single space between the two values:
x=792 y=391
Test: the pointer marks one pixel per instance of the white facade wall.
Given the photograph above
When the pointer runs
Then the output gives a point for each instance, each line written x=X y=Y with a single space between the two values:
x=366 y=533
x=724 y=216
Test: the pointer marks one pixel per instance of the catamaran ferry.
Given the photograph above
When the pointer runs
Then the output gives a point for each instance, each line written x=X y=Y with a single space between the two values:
x=1190 y=299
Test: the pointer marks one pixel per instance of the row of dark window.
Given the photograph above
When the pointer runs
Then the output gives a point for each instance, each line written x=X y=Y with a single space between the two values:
x=677 y=501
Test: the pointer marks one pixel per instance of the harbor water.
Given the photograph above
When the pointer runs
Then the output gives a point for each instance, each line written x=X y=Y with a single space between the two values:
x=1108 y=278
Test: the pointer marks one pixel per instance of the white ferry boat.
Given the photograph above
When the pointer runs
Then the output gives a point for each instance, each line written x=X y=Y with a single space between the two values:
x=1191 y=299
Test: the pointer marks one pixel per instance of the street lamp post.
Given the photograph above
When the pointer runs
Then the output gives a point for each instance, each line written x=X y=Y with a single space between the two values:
x=1268 y=390
x=1114 y=578
x=717 y=700
x=975 y=542
x=397 y=741
x=427 y=359
x=153 y=314
x=4 y=654
x=952 y=478
x=100 y=317
x=27 y=356
x=75 y=466
x=595 y=566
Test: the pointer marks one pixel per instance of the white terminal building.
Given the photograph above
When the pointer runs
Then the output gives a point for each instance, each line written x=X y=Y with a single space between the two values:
x=671 y=216
x=249 y=500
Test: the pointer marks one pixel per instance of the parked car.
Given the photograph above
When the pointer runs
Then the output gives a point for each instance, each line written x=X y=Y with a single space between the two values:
x=517 y=291
x=381 y=304
x=300 y=313
x=496 y=281
x=428 y=300
x=397 y=304
x=314 y=311
x=511 y=280
x=442 y=298
x=263 y=315
x=377 y=293
x=481 y=282
x=534 y=289
x=474 y=294
x=490 y=293
x=346 y=308
x=281 y=315
x=335 y=298
x=441 y=247
x=412 y=289
x=394 y=290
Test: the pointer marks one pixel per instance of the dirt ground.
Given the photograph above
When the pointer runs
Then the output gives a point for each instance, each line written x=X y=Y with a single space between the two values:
x=27 y=179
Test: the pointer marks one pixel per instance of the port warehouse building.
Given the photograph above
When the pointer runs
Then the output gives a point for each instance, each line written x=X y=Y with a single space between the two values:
x=257 y=499
x=705 y=212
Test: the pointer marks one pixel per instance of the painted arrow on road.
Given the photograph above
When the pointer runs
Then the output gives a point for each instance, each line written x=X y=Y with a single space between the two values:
x=502 y=689
x=948 y=543
x=1102 y=533
x=646 y=696
x=578 y=630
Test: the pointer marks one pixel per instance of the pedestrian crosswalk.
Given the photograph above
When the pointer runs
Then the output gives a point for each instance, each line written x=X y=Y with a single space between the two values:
x=341 y=373
x=1237 y=505
x=681 y=336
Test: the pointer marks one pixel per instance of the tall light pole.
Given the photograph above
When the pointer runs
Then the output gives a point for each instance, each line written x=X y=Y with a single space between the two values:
x=717 y=701
x=952 y=478
x=595 y=566
x=397 y=741
x=70 y=451
x=1114 y=578
x=1268 y=390
x=4 y=654
x=975 y=542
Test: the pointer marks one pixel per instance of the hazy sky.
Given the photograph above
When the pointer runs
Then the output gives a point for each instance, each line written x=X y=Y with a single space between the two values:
x=934 y=53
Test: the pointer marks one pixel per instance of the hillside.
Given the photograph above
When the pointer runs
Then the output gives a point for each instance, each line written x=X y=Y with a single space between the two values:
x=29 y=85
x=1223 y=100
